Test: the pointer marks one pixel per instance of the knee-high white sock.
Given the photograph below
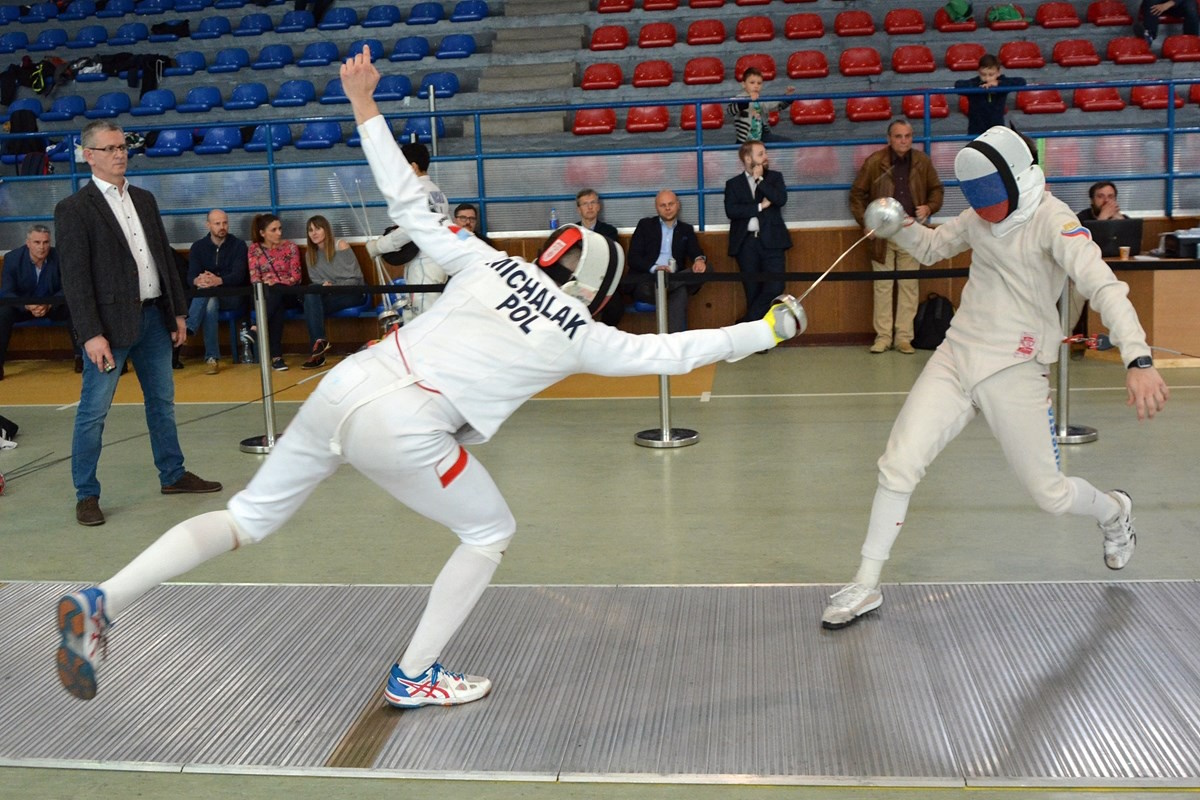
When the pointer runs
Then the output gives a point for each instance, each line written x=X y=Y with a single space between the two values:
x=1091 y=502
x=887 y=517
x=453 y=595
x=186 y=546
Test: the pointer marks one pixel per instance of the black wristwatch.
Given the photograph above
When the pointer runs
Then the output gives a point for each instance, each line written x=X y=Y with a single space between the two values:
x=1141 y=362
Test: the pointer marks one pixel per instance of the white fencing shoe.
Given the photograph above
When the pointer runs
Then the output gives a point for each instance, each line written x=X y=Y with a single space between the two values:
x=849 y=603
x=1119 y=536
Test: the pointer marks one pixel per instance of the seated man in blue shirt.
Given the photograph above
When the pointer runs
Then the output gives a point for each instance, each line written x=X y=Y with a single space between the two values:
x=32 y=271
x=657 y=242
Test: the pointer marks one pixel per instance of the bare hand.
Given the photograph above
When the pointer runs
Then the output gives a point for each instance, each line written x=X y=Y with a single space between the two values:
x=923 y=213
x=179 y=335
x=1109 y=211
x=1161 y=8
x=98 y=352
x=699 y=265
x=1148 y=392
x=359 y=79
x=38 y=311
x=765 y=203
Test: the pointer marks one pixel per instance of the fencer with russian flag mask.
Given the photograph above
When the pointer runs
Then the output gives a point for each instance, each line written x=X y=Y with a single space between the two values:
x=400 y=412
x=1025 y=243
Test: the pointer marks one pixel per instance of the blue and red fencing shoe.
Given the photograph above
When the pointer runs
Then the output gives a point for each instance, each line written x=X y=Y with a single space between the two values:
x=83 y=626
x=434 y=687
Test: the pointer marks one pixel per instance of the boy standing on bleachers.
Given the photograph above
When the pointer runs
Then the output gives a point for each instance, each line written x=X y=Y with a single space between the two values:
x=987 y=109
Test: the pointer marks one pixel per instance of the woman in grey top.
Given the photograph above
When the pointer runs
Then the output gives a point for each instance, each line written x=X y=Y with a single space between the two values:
x=330 y=262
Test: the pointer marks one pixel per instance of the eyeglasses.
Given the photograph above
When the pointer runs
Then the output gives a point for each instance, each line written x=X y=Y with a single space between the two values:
x=466 y=218
x=112 y=148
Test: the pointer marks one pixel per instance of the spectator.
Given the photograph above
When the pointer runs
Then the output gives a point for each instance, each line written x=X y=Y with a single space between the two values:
x=987 y=109
x=908 y=175
x=218 y=259
x=1103 y=197
x=330 y=263
x=590 y=207
x=31 y=270
x=657 y=242
x=127 y=302
x=1152 y=10
x=466 y=215
x=751 y=116
x=758 y=237
x=274 y=262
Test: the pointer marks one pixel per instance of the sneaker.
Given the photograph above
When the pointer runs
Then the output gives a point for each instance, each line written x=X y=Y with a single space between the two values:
x=313 y=362
x=211 y=367
x=278 y=365
x=848 y=604
x=435 y=686
x=83 y=626
x=320 y=347
x=881 y=346
x=1119 y=537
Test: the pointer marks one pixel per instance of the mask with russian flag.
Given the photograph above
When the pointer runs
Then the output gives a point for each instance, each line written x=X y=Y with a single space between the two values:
x=1000 y=179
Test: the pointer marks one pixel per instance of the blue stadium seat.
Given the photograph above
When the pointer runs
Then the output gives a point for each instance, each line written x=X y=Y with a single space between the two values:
x=338 y=18
x=296 y=22
x=228 y=3
x=115 y=8
x=319 y=134
x=418 y=128
x=200 y=99
x=64 y=150
x=212 y=28
x=153 y=102
x=77 y=10
x=191 y=6
x=254 y=25
x=218 y=141
x=33 y=104
x=294 y=93
x=231 y=59
x=153 y=7
x=187 y=62
x=443 y=84
x=334 y=93
x=64 y=109
x=88 y=36
x=273 y=56
x=357 y=45
x=469 y=11
x=410 y=48
x=9 y=14
x=130 y=33
x=382 y=17
x=393 y=87
x=13 y=41
x=171 y=142
x=457 y=45
x=246 y=96
x=318 y=54
x=426 y=14
x=165 y=34
x=281 y=136
x=39 y=13
x=48 y=39
x=109 y=104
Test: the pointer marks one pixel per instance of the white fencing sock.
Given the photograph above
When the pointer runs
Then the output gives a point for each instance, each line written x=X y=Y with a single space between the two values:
x=887 y=517
x=1091 y=502
x=185 y=547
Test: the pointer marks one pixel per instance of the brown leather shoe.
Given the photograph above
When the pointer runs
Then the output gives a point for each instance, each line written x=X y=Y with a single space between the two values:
x=191 y=484
x=87 y=512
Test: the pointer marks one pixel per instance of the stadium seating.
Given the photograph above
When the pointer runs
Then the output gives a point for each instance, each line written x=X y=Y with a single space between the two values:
x=1194 y=93
x=853 y=23
x=901 y=21
x=609 y=37
x=420 y=129
x=1041 y=101
x=334 y=94
x=614 y=6
x=1075 y=53
x=856 y=61
x=807 y=64
x=50 y=39
x=33 y=104
x=200 y=99
x=212 y=27
x=705 y=3
x=1009 y=24
x=130 y=33
x=273 y=56
x=804 y=26
x=868 y=109
x=1130 y=50
x=712 y=116
x=294 y=93
x=913 y=106
x=602 y=76
x=653 y=74
x=1101 y=98
x=107 y=105
x=590 y=121
x=318 y=54
x=812 y=112
x=754 y=29
x=426 y=14
x=393 y=87
x=219 y=141
x=1181 y=47
x=911 y=58
x=1153 y=97
x=964 y=56
x=13 y=41
x=281 y=136
x=187 y=62
x=942 y=21
x=319 y=135
x=657 y=34
x=254 y=25
x=115 y=8
x=647 y=119
x=338 y=18
x=456 y=45
x=1109 y=13
x=706 y=31
x=77 y=10
x=293 y=22
x=1057 y=15
x=410 y=48
x=171 y=142
x=1021 y=55
x=246 y=96
x=230 y=59
x=759 y=61
x=660 y=5
x=37 y=13
x=442 y=84
x=469 y=11
x=703 y=70
x=65 y=108
x=382 y=16
x=374 y=45
x=89 y=36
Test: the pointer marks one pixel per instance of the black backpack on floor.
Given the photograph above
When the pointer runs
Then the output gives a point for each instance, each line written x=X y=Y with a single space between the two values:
x=932 y=321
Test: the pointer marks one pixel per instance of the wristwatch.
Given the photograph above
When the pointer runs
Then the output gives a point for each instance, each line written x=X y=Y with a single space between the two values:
x=1141 y=362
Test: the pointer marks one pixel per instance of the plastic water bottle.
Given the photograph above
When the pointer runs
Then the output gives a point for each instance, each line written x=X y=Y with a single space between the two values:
x=247 y=341
x=553 y=220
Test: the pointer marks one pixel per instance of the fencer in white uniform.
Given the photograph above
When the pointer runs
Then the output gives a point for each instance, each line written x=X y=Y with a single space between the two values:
x=1025 y=243
x=400 y=411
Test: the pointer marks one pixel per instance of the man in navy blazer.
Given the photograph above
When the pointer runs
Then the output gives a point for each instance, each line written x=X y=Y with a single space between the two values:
x=758 y=237
x=127 y=302
x=30 y=271
x=656 y=242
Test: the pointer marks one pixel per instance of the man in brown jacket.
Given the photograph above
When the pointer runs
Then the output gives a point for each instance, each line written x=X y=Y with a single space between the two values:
x=908 y=175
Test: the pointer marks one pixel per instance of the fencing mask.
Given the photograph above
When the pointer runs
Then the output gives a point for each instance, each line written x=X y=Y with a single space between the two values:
x=601 y=263
x=1000 y=178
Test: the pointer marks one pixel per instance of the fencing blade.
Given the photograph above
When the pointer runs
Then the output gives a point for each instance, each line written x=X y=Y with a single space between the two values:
x=845 y=253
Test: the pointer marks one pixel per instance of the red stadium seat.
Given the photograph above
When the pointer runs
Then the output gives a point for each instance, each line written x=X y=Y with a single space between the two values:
x=1010 y=24
x=1194 y=93
x=753 y=2
x=1181 y=47
x=812 y=112
x=660 y=5
x=1041 y=101
x=614 y=6
x=912 y=58
x=1109 y=13
x=706 y=31
x=868 y=109
x=903 y=20
x=653 y=73
x=942 y=21
x=657 y=34
x=913 y=106
x=705 y=69
x=1057 y=15
x=602 y=76
x=1153 y=97
x=807 y=64
x=648 y=119
x=1130 y=50
x=1021 y=55
x=705 y=3
x=964 y=105
x=1075 y=53
x=760 y=61
x=712 y=116
x=804 y=26
x=853 y=23
x=610 y=37
x=754 y=29
x=860 y=61
x=964 y=57
x=594 y=120
x=1098 y=99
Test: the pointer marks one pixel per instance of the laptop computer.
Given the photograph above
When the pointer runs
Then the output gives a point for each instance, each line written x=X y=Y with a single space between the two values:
x=1113 y=234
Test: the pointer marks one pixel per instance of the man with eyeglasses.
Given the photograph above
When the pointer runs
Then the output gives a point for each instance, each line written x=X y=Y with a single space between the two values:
x=127 y=303
x=589 y=205
x=466 y=215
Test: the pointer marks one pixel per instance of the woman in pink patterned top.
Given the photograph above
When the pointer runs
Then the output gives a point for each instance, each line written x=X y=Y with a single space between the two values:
x=274 y=262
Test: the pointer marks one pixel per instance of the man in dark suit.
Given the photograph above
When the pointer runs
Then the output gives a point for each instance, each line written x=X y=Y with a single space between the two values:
x=758 y=237
x=656 y=243
x=127 y=302
x=31 y=271
x=588 y=203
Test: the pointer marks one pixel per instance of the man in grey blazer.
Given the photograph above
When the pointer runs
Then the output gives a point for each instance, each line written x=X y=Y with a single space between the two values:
x=127 y=302
x=758 y=237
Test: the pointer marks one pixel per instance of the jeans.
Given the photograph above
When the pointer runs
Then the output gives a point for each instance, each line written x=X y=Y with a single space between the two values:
x=319 y=306
x=203 y=314
x=151 y=356
x=1183 y=8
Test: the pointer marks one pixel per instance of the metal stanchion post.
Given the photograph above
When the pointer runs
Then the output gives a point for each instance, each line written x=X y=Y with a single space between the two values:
x=1065 y=432
x=664 y=436
x=261 y=445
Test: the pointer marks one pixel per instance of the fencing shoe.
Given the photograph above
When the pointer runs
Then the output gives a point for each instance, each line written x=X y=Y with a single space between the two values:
x=1119 y=536
x=435 y=686
x=849 y=603
x=83 y=626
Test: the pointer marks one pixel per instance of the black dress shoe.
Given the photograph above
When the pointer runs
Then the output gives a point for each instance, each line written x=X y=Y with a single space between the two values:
x=176 y=363
x=78 y=364
x=191 y=484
